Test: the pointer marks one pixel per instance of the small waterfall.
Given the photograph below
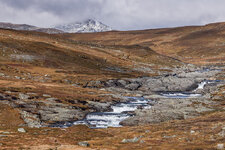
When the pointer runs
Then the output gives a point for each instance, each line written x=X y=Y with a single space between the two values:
x=201 y=85
x=119 y=113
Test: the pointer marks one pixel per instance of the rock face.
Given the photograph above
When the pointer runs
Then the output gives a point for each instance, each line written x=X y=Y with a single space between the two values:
x=169 y=83
x=82 y=27
x=48 y=111
x=168 y=109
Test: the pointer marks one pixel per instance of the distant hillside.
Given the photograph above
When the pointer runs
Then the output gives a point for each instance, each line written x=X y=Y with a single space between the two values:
x=26 y=27
x=192 y=44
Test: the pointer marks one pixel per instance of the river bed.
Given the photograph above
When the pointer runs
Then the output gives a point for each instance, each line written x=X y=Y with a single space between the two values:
x=124 y=110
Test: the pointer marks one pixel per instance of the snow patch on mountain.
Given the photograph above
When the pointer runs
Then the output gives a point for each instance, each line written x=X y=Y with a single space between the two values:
x=89 y=25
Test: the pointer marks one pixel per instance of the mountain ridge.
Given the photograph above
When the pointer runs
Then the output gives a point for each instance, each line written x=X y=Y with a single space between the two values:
x=26 y=27
x=86 y=26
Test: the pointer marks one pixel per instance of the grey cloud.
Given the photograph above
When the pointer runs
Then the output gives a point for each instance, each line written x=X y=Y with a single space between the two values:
x=119 y=14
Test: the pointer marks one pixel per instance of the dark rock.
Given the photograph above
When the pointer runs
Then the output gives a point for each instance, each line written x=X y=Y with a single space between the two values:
x=95 y=84
x=99 y=106
x=122 y=82
x=2 y=97
x=132 y=86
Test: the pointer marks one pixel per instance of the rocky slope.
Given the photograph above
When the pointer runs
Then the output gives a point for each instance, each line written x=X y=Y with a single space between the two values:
x=26 y=27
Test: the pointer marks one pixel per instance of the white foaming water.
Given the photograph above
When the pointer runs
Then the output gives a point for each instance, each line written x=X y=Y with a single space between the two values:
x=189 y=95
x=119 y=113
x=181 y=95
x=130 y=106
x=201 y=85
x=121 y=108
x=104 y=120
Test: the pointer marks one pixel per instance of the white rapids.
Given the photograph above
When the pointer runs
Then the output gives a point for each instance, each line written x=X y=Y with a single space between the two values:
x=180 y=95
x=201 y=86
x=119 y=113
x=205 y=82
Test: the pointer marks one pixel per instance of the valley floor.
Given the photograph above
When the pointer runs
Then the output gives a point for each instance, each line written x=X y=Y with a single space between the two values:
x=48 y=80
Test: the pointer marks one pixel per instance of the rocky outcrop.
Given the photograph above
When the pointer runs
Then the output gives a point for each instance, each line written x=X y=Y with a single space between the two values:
x=169 y=109
x=49 y=110
x=169 y=83
x=166 y=109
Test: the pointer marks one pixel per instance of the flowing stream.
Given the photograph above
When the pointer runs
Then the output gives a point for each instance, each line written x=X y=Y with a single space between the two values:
x=201 y=86
x=121 y=111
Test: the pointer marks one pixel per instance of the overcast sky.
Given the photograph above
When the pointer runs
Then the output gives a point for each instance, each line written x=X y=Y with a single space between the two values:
x=119 y=14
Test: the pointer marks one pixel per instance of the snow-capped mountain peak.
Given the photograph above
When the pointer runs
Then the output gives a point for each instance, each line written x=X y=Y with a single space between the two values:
x=89 y=25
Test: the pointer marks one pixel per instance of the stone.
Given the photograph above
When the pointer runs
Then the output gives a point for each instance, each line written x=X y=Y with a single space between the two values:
x=8 y=92
x=220 y=146
x=75 y=85
x=2 y=97
x=132 y=86
x=142 y=141
x=68 y=81
x=170 y=83
x=33 y=94
x=222 y=133
x=122 y=82
x=168 y=137
x=51 y=99
x=95 y=84
x=147 y=131
x=17 y=77
x=23 y=96
x=138 y=95
x=134 y=140
x=22 y=130
x=5 y=132
x=2 y=74
x=84 y=144
x=46 y=95
x=192 y=132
